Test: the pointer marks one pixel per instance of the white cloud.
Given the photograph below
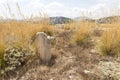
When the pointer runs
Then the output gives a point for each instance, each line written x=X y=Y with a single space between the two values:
x=55 y=9
x=106 y=8
x=28 y=7
x=102 y=9
x=2 y=1
x=54 y=4
x=108 y=1
x=5 y=1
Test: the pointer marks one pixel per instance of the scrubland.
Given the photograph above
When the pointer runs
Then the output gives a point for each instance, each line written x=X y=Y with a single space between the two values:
x=82 y=50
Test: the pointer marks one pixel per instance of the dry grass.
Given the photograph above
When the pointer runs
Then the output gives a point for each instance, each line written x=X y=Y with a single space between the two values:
x=15 y=33
x=110 y=41
x=70 y=26
x=113 y=25
x=83 y=33
x=19 y=34
x=2 y=52
x=79 y=24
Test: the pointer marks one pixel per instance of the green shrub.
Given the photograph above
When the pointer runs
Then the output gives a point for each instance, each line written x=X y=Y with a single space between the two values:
x=13 y=58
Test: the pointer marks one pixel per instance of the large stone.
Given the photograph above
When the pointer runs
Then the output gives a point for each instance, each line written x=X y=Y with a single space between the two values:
x=42 y=44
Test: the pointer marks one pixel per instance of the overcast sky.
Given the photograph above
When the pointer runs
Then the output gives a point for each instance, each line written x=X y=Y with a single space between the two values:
x=68 y=8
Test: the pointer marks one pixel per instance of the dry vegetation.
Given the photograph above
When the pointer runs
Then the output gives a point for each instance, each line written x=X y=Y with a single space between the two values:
x=110 y=41
x=83 y=33
x=22 y=31
x=19 y=34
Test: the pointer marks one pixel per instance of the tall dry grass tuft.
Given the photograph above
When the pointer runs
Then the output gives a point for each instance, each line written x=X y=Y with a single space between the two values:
x=83 y=33
x=109 y=43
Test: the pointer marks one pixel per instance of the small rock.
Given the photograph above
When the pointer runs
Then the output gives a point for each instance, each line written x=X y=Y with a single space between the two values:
x=86 y=71
x=70 y=77
x=50 y=79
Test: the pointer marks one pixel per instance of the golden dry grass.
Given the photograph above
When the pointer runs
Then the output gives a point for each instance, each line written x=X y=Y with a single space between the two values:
x=2 y=49
x=83 y=33
x=113 y=25
x=2 y=52
x=79 y=24
x=110 y=40
x=70 y=26
x=21 y=32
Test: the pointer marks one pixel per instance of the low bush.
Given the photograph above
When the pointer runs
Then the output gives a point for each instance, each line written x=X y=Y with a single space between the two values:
x=13 y=58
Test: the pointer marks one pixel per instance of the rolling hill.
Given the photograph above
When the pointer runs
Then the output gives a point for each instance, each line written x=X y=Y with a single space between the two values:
x=60 y=20
x=109 y=19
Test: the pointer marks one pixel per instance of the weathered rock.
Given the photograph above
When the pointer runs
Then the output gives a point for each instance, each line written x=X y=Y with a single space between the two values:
x=42 y=44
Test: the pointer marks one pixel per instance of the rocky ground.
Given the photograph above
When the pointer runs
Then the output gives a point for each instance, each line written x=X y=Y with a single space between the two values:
x=72 y=62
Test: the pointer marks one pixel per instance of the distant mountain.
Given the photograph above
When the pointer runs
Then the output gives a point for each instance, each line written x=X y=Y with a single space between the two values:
x=60 y=20
x=109 y=19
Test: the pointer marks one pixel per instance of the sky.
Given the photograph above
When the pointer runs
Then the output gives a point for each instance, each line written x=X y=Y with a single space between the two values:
x=67 y=8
